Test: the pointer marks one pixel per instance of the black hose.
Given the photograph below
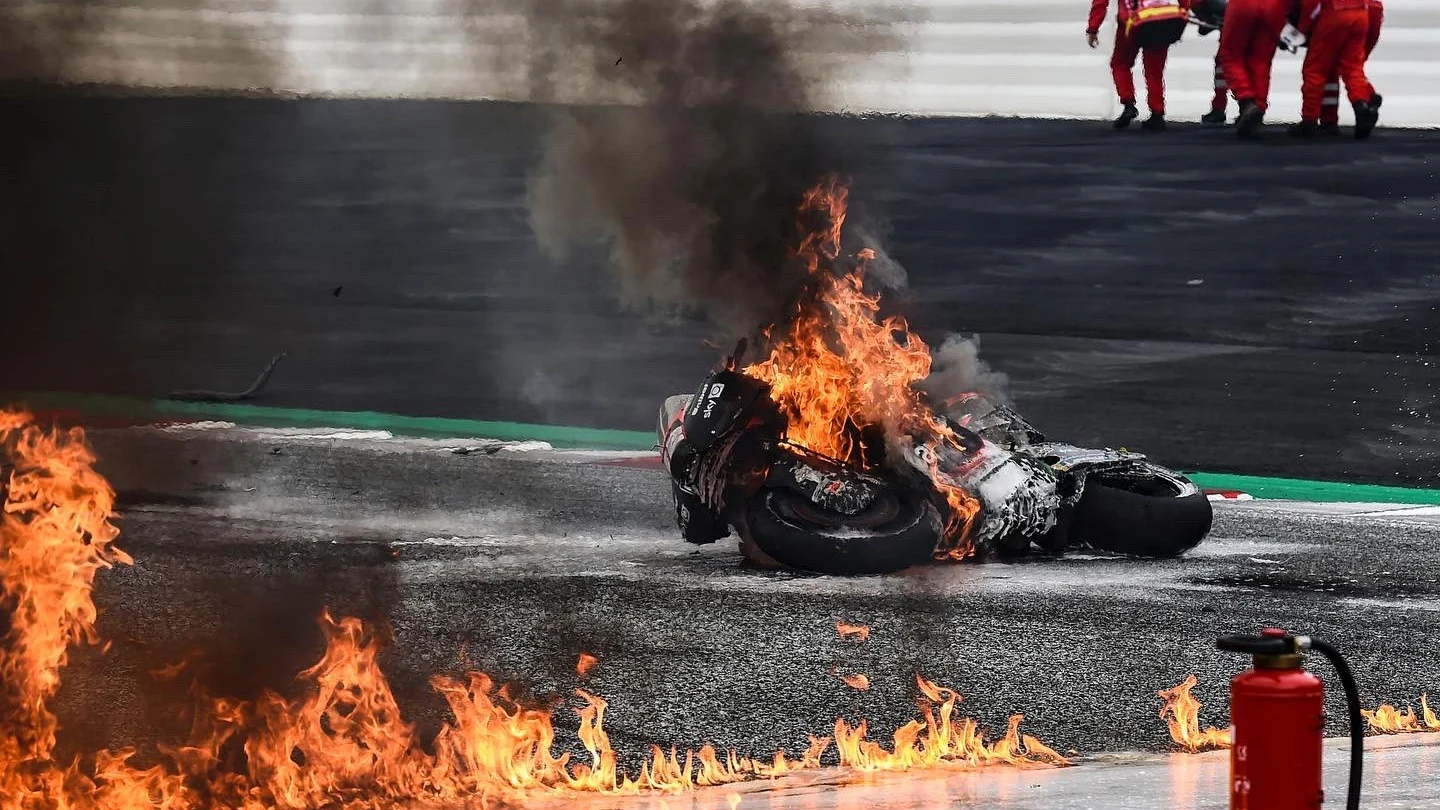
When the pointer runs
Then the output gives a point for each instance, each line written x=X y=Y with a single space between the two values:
x=1357 y=731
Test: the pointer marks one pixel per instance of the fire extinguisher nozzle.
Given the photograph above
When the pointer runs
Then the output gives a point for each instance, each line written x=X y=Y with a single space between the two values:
x=1257 y=645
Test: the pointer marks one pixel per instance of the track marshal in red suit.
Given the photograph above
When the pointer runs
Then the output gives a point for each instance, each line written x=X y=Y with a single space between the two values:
x=1248 y=42
x=1340 y=34
x=1147 y=27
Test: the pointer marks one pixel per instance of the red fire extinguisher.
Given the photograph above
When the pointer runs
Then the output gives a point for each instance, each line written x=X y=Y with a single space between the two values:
x=1277 y=716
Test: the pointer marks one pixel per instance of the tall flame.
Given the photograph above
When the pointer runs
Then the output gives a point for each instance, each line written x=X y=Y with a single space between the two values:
x=836 y=367
x=344 y=742
x=1184 y=719
x=56 y=532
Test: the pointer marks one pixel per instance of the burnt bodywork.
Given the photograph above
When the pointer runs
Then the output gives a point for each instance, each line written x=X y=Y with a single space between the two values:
x=723 y=444
x=725 y=450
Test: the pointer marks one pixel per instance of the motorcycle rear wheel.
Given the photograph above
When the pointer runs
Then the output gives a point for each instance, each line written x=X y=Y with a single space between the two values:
x=899 y=530
x=1162 y=516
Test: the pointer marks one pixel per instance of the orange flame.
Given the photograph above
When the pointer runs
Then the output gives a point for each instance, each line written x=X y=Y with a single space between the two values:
x=55 y=534
x=586 y=663
x=858 y=632
x=1184 y=719
x=938 y=738
x=344 y=742
x=1387 y=719
x=837 y=367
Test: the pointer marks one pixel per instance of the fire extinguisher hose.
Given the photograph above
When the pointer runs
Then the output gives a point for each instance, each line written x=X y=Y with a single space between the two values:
x=1357 y=730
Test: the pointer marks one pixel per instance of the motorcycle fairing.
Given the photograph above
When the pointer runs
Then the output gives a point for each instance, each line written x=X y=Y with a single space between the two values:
x=1018 y=494
x=723 y=403
x=1078 y=463
x=994 y=421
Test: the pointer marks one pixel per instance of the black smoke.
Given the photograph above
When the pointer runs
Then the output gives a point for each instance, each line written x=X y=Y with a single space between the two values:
x=696 y=144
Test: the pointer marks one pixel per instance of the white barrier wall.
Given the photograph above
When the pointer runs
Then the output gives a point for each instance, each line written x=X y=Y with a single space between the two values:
x=963 y=57
x=1029 y=58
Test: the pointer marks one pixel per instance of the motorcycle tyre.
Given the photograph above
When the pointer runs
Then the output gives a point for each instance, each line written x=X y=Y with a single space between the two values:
x=844 y=545
x=1142 y=525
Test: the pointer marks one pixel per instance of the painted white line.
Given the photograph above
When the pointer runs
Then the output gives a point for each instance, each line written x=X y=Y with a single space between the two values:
x=1415 y=511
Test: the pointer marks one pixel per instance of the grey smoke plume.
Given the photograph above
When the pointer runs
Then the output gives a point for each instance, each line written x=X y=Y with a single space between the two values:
x=35 y=46
x=94 y=43
x=692 y=181
x=956 y=368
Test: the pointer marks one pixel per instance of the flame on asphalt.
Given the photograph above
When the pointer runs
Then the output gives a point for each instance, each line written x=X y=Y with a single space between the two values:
x=1181 y=712
x=343 y=741
x=1387 y=719
x=585 y=663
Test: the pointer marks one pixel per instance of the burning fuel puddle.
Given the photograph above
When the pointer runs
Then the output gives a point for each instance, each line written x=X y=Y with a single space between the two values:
x=1398 y=770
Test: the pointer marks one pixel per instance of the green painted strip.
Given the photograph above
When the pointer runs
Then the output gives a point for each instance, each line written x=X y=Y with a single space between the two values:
x=1296 y=489
x=604 y=439
x=262 y=415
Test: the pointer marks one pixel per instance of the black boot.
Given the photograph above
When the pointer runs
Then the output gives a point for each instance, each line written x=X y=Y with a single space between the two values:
x=1155 y=123
x=1366 y=114
x=1250 y=117
x=1329 y=130
x=1304 y=129
x=1214 y=118
x=1128 y=114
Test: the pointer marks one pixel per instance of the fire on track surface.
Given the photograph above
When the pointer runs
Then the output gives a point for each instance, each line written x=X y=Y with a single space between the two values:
x=1399 y=772
x=514 y=560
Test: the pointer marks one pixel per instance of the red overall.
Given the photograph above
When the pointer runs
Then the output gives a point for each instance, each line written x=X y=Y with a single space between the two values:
x=1248 y=42
x=1222 y=88
x=1330 y=105
x=1336 y=31
x=1122 y=59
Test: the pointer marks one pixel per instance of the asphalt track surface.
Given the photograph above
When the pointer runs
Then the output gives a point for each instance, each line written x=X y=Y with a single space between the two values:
x=1265 y=308
x=524 y=558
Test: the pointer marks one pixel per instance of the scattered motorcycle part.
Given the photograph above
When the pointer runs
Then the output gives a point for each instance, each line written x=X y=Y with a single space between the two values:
x=229 y=396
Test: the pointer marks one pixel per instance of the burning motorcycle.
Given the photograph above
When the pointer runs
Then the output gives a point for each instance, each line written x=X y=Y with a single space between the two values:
x=980 y=482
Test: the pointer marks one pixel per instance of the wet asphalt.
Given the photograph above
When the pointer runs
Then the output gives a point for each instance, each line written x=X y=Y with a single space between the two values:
x=518 y=561
x=1260 y=308
x=1263 y=307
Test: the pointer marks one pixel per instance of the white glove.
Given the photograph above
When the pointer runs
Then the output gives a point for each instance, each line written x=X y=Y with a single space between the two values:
x=1291 y=39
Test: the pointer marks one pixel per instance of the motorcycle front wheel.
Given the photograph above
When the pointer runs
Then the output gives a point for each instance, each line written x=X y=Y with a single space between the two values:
x=899 y=530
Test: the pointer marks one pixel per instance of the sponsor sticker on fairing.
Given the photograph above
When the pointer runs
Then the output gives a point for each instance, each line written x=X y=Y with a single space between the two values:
x=713 y=398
